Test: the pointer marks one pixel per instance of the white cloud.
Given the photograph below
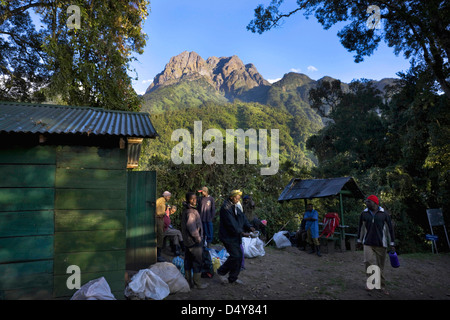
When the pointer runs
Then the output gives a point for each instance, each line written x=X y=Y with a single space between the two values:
x=147 y=81
x=312 y=69
x=296 y=70
x=273 y=80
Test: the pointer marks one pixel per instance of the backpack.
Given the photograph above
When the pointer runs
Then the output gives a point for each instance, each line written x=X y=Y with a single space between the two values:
x=330 y=223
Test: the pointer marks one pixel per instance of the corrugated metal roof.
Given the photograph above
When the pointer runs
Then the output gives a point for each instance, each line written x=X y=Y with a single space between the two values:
x=319 y=188
x=45 y=118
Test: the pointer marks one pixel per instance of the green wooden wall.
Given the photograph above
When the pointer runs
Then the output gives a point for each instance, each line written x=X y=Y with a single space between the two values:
x=90 y=216
x=61 y=206
x=27 y=178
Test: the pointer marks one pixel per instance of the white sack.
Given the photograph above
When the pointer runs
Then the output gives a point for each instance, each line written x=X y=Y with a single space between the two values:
x=170 y=274
x=253 y=247
x=147 y=285
x=97 y=289
x=281 y=240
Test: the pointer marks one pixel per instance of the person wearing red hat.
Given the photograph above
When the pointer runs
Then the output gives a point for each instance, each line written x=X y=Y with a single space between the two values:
x=375 y=232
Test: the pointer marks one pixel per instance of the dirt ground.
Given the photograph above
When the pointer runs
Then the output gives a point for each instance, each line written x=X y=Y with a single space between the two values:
x=291 y=274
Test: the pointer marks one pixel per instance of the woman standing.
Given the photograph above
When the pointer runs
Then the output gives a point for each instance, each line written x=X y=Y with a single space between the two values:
x=191 y=228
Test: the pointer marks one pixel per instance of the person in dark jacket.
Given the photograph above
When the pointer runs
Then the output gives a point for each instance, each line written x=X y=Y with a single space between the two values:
x=207 y=210
x=233 y=225
x=191 y=229
x=375 y=232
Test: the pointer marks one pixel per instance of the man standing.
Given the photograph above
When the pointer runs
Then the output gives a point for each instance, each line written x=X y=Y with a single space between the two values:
x=375 y=232
x=191 y=228
x=233 y=224
x=312 y=228
x=207 y=210
x=161 y=206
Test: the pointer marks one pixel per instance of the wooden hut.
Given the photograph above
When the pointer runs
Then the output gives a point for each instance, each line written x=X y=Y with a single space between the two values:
x=67 y=198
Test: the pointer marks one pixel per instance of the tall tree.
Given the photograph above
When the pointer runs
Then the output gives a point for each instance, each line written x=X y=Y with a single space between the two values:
x=22 y=67
x=418 y=29
x=85 y=64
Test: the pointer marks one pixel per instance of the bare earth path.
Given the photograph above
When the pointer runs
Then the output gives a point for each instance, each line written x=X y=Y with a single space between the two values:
x=290 y=274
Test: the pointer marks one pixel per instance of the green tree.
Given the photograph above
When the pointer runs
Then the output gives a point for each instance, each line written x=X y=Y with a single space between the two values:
x=22 y=67
x=86 y=65
x=418 y=29
x=326 y=96
x=354 y=139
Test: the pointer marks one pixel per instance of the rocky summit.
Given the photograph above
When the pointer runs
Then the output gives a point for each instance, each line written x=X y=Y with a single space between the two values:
x=228 y=75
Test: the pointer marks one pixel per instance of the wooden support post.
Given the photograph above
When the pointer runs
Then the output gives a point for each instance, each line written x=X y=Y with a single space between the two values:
x=341 y=205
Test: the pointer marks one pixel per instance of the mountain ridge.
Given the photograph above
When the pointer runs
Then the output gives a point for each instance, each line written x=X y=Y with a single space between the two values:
x=188 y=80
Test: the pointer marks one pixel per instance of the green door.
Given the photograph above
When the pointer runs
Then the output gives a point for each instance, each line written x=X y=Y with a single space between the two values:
x=141 y=227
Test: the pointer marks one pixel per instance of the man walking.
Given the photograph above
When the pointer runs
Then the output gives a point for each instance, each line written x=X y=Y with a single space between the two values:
x=207 y=210
x=375 y=232
x=233 y=225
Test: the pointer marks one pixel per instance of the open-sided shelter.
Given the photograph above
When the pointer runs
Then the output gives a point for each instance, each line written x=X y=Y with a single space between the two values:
x=308 y=189
x=67 y=198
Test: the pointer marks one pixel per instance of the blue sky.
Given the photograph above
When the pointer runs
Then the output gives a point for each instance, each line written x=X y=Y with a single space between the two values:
x=218 y=28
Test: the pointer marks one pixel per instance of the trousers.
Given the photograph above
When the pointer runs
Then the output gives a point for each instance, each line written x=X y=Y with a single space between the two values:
x=193 y=258
x=232 y=265
x=376 y=256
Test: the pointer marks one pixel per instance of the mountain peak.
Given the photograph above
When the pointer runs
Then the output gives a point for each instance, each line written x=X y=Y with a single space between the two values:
x=226 y=74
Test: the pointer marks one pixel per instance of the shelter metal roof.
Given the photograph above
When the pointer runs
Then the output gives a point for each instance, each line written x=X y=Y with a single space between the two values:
x=319 y=188
x=55 y=119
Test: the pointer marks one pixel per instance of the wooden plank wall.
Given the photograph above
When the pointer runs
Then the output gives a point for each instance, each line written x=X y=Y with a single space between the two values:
x=27 y=177
x=141 y=227
x=90 y=216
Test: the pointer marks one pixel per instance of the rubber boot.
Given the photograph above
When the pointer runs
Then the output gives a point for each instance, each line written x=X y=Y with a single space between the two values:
x=198 y=282
x=318 y=251
x=159 y=258
x=313 y=249
x=188 y=276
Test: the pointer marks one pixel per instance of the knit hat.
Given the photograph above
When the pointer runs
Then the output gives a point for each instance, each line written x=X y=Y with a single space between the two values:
x=373 y=198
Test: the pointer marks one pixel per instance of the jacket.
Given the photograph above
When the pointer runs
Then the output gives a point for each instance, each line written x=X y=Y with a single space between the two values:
x=375 y=229
x=232 y=223
x=191 y=226
x=207 y=208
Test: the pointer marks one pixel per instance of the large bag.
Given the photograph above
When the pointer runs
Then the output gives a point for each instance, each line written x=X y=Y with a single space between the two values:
x=253 y=247
x=97 y=289
x=281 y=241
x=146 y=285
x=170 y=274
